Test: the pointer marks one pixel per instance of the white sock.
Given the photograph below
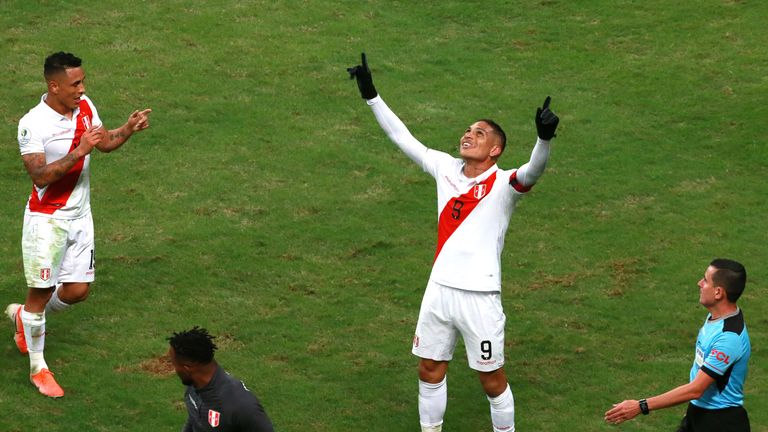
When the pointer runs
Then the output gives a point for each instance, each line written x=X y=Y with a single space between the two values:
x=34 y=334
x=432 y=401
x=503 y=411
x=55 y=304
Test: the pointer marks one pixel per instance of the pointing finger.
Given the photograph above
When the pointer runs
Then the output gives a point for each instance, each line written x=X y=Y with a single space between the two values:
x=546 y=103
x=365 y=61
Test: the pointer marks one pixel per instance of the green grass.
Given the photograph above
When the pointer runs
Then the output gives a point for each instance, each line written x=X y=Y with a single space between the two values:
x=265 y=204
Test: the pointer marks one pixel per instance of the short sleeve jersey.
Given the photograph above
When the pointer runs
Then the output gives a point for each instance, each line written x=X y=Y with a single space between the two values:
x=224 y=405
x=473 y=216
x=43 y=130
x=722 y=352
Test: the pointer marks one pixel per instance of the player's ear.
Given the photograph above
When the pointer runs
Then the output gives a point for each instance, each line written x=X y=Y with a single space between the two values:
x=720 y=293
x=496 y=151
x=53 y=86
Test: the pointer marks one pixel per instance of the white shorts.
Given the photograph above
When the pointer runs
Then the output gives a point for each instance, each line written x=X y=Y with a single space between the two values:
x=57 y=250
x=447 y=312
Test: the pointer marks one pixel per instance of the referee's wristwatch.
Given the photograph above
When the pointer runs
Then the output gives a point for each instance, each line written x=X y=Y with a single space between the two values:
x=644 y=407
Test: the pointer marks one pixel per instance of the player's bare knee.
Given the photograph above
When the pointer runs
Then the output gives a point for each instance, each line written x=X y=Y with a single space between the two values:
x=37 y=298
x=74 y=293
x=494 y=383
x=432 y=371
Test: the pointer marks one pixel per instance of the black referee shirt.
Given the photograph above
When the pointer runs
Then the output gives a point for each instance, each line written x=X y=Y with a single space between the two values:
x=224 y=405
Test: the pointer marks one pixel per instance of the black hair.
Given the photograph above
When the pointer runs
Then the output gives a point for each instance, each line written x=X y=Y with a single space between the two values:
x=59 y=62
x=495 y=126
x=730 y=275
x=194 y=345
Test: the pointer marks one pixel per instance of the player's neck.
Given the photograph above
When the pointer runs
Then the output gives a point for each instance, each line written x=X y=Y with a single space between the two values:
x=204 y=375
x=58 y=106
x=473 y=168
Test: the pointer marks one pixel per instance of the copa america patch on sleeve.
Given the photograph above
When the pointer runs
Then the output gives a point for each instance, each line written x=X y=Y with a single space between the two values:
x=24 y=136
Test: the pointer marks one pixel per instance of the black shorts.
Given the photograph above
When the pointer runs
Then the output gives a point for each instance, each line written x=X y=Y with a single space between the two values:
x=732 y=419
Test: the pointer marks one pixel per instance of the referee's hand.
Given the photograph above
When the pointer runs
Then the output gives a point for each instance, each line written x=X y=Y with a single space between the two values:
x=364 y=81
x=621 y=412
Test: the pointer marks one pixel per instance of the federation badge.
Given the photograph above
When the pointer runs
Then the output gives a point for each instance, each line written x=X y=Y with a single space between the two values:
x=213 y=418
x=87 y=122
x=480 y=191
x=45 y=274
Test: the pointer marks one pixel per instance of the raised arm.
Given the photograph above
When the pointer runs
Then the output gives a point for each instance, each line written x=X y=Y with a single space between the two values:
x=546 y=124
x=389 y=122
x=396 y=131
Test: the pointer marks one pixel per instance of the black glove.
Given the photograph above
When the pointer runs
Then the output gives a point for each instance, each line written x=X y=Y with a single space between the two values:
x=546 y=121
x=364 y=81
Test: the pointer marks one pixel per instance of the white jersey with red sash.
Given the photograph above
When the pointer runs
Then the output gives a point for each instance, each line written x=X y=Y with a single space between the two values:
x=473 y=216
x=43 y=130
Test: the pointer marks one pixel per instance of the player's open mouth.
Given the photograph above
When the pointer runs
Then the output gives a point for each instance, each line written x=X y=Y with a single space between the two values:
x=466 y=145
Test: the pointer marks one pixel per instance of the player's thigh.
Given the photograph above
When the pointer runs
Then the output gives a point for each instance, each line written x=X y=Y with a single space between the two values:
x=79 y=262
x=436 y=335
x=481 y=324
x=43 y=245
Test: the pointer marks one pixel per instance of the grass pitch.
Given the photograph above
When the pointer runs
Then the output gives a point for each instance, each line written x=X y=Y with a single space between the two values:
x=265 y=204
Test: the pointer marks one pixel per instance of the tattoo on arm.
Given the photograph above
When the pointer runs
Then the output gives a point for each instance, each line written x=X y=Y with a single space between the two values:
x=117 y=134
x=43 y=174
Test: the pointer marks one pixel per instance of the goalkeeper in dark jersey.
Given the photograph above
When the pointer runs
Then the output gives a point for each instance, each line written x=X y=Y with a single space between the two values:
x=215 y=400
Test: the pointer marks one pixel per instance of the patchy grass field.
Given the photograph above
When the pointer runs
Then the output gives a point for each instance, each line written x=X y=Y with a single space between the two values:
x=265 y=204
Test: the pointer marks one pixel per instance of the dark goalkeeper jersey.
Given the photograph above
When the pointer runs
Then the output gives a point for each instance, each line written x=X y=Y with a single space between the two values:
x=224 y=405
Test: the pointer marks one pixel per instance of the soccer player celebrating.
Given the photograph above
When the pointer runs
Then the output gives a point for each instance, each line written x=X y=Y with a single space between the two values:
x=475 y=200
x=56 y=138
x=716 y=387
x=215 y=400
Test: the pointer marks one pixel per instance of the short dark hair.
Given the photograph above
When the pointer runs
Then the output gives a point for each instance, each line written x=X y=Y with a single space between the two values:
x=730 y=275
x=495 y=126
x=59 y=62
x=194 y=345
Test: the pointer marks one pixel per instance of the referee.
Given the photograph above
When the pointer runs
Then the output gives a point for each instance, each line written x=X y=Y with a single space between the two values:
x=716 y=387
x=215 y=400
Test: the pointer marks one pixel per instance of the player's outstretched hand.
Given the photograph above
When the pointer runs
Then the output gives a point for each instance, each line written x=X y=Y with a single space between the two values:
x=364 y=81
x=546 y=121
x=139 y=120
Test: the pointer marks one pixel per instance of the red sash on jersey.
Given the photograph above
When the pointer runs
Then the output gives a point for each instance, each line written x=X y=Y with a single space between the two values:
x=58 y=192
x=458 y=208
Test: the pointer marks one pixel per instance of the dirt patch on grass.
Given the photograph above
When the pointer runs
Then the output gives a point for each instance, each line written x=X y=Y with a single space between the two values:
x=158 y=366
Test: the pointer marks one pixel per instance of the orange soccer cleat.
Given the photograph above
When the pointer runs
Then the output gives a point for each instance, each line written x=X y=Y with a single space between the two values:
x=48 y=386
x=14 y=314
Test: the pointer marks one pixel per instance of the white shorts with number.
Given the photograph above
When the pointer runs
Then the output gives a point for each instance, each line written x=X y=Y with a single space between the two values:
x=447 y=312
x=57 y=250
